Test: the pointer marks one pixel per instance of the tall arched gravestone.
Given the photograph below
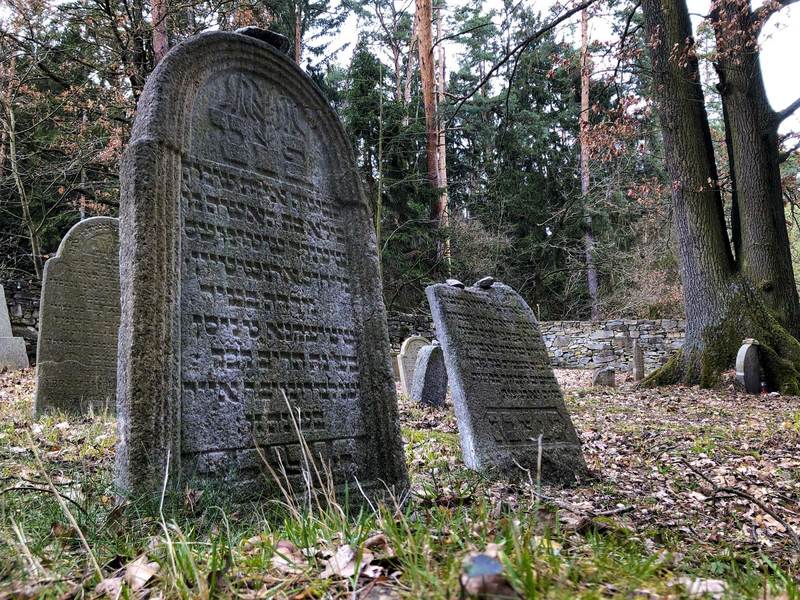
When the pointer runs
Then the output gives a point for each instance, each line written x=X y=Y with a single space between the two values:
x=249 y=270
x=76 y=356
x=504 y=391
x=407 y=360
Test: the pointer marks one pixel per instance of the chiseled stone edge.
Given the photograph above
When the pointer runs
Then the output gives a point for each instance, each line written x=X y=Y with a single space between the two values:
x=148 y=372
x=561 y=462
x=65 y=248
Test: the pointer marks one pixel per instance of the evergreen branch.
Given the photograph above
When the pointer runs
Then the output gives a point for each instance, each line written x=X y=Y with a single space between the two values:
x=519 y=48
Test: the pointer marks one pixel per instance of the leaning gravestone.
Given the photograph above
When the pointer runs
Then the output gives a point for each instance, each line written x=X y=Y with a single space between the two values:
x=251 y=296
x=638 y=361
x=430 y=376
x=407 y=360
x=76 y=357
x=505 y=394
x=748 y=366
x=12 y=349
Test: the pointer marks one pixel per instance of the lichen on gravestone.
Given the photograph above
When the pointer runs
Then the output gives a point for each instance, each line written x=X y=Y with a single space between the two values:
x=252 y=311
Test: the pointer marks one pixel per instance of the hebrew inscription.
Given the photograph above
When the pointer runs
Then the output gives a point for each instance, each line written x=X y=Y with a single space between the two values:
x=79 y=317
x=506 y=398
x=280 y=330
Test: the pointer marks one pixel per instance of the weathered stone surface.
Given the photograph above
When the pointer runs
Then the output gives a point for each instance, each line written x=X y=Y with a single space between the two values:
x=505 y=395
x=407 y=360
x=12 y=349
x=249 y=270
x=748 y=366
x=429 y=385
x=638 y=361
x=604 y=377
x=76 y=366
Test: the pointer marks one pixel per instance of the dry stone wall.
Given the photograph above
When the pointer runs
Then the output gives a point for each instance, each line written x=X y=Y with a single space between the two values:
x=588 y=345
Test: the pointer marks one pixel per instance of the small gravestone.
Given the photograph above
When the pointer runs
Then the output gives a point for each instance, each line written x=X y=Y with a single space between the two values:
x=252 y=311
x=604 y=377
x=12 y=349
x=430 y=376
x=748 y=366
x=506 y=398
x=407 y=359
x=638 y=361
x=76 y=357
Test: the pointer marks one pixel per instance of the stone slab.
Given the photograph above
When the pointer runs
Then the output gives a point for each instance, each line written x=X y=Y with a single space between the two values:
x=76 y=356
x=604 y=377
x=249 y=271
x=638 y=361
x=748 y=367
x=430 y=377
x=407 y=360
x=12 y=349
x=505 y=395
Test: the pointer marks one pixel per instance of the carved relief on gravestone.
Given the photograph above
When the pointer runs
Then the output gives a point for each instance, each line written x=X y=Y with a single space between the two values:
x=76 y=357
x=12 y=349
x=407 y=359
x=748 y=366
x=638 y=361
x=429 y=385
x=506 y=398
x=249 y=270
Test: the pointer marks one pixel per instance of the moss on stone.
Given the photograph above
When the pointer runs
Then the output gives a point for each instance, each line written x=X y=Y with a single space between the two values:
x=746 y=317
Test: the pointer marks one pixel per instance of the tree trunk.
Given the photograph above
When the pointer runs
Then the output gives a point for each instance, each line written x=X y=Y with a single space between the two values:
x=588 y=235
x=765 y=256
x=424 y=15
x=298 y=34
x=721 y=306
x=160 y=40
x=442 y=208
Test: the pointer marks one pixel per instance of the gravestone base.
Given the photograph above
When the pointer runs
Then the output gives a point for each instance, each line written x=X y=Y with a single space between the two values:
x=12 y=353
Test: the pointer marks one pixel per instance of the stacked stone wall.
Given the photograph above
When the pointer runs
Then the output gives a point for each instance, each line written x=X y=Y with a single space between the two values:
x=589 y=345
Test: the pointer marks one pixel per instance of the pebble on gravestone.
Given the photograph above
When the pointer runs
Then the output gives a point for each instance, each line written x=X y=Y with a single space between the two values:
x=430 y=377
x=638 y=361
x=12 y=349
x=407 y=359
x=76 y=357
x=748 y=366
x=506 y=398
x=604 y=377
x=250 y=285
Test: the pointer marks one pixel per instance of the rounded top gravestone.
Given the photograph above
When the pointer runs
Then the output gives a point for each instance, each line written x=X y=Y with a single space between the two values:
x=251 y=302
x=76 y=366
x=407 y=360
x=748 y=367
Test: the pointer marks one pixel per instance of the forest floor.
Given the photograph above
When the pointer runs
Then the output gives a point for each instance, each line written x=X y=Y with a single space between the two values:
x=696 y=493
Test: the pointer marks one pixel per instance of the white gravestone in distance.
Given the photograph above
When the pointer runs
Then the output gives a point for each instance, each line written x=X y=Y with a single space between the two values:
x=407 y=360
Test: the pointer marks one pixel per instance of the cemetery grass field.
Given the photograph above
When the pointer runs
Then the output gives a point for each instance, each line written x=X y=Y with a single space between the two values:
x=696 y=492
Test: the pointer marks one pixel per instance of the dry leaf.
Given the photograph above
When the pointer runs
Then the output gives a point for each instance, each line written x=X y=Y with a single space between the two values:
x=139 y=572
x=288 y=559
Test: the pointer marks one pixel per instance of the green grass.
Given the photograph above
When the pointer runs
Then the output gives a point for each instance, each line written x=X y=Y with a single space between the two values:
x=207 y=548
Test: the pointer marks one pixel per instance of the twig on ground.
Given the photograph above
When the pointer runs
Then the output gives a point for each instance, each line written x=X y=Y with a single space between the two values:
x=716 y=489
